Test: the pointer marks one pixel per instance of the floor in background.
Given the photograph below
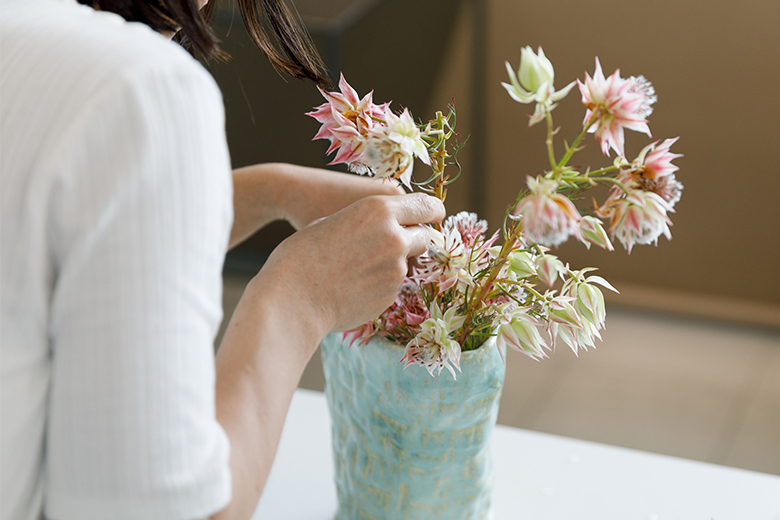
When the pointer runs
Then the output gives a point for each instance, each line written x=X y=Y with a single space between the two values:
x=694 y=389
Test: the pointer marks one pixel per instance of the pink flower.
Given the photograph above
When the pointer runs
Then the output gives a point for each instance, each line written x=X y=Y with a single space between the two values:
x=548 y=217
x=470 y=228
x=639 y=217
x=616 y=103
x=656 y=162
x=346 y=119
x=410 y=302
x=360 y=334
x=666 y=187
x=653 y=171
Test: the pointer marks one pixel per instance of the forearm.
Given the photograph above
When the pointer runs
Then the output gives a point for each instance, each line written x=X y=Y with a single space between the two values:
x=259 y=194
x=259 y=364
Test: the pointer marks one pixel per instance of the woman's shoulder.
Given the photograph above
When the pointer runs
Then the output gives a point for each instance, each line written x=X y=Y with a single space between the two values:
x=64 y=63
x=61 y=42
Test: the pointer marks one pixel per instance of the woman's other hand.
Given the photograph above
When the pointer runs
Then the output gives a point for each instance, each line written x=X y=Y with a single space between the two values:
x=277 y=191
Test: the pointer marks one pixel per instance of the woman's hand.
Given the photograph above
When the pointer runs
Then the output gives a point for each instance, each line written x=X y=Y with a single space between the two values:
x=347 y=267
x=266 y=192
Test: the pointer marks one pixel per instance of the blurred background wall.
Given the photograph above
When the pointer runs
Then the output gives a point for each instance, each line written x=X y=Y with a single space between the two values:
x=716 y=69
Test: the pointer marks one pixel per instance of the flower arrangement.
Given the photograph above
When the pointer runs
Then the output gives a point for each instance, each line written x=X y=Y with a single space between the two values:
x=469 y=286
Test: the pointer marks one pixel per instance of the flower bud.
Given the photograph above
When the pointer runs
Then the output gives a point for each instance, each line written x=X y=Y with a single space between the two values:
x=548 y=267
x=527 y=338
x=533 y=82
x=562 y=311
x=593 y=233
x=535 y=70
x=590 y=304
x=521 y=264
x=519 y=330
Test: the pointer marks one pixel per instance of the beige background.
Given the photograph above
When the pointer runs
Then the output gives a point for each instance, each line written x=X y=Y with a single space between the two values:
x=715 y=67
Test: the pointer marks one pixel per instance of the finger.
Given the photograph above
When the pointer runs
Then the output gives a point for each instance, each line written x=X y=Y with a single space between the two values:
x=392 y=187
x=378 y=186
x=417 y=208
x=418 y=238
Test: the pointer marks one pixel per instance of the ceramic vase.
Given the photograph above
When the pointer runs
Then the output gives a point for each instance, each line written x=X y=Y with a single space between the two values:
x=407 y=445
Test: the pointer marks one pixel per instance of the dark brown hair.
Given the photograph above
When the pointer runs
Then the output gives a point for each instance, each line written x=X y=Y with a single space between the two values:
x=298 y=56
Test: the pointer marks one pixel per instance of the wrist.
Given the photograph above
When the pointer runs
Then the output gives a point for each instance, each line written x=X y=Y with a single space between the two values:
x=294 y=184
x=281 y=301
x=260 y=196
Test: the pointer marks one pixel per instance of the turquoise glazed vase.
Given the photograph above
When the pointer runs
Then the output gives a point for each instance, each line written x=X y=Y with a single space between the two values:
x=407 y=445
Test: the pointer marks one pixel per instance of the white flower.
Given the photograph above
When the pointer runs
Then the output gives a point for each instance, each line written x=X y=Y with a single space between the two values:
x=534 y=83
x=433 y=347
x=470 y=227
x=446 y=260
x=389 y=150
x=565 y=322
x=587 y=303
x=575 y=337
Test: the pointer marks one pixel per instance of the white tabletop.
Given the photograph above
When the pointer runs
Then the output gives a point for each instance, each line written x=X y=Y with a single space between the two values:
x=538 y=477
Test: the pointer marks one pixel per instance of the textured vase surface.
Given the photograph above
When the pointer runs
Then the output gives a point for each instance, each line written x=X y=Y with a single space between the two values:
x=407 y=445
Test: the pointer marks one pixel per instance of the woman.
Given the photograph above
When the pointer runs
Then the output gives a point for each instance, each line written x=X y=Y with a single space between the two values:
x=117 y=208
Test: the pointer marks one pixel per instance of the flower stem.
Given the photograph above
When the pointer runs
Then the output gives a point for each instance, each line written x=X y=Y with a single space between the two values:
x=438 y=131
x=611 y=180
x=549 y=142
x=473 y=304
x=606 y=169
x=573 y=148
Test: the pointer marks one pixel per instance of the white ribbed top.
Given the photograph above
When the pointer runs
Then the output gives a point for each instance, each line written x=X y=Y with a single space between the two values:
x=116 y=210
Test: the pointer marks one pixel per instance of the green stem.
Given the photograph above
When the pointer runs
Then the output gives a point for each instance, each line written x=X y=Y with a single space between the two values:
x=583 y=179
x=534 y=292
x=573 y=148
x=611 y=181
x=606 y=169
x=441 y=187
x=550 y=149
x=484 y=289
